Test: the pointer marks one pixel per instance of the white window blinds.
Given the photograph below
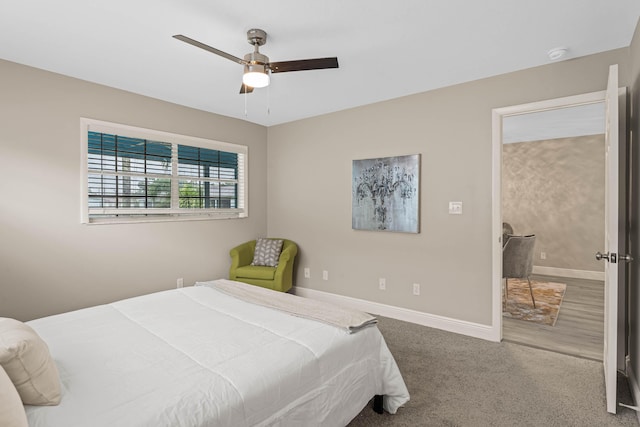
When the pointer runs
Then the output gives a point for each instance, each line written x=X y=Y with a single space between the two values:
x=134 y=174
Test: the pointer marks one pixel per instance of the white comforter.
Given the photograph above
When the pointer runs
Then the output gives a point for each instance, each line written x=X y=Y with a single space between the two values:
x=197 y=357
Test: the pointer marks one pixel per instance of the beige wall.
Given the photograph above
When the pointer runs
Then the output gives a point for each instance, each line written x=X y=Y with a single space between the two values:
x=309 y=175
x=52 y=263
x=555 y=190
x=49 y=262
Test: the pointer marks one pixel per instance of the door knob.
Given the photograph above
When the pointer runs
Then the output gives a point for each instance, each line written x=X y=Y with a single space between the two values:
x=612 y=257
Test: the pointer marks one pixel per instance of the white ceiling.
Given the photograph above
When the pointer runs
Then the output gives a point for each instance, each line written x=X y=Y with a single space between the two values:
x=385 y=49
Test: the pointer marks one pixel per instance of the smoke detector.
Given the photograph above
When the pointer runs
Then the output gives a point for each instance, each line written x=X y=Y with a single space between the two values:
x=557 y=53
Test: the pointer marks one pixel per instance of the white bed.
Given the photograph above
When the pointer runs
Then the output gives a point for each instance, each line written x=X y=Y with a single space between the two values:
x=199 y=357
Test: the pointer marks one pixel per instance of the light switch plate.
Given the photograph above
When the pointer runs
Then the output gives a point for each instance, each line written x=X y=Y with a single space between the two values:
x=455 y=208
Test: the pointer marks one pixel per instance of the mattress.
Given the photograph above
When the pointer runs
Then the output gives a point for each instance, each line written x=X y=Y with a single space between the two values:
x=199 y=357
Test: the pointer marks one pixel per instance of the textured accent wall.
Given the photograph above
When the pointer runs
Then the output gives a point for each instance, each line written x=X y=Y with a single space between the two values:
x=555 y=190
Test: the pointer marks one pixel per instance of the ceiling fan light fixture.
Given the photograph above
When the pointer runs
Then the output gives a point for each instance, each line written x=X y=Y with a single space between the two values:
x=255 y=75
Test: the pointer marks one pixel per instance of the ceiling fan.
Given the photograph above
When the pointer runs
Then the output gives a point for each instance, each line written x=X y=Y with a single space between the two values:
x=257 y=67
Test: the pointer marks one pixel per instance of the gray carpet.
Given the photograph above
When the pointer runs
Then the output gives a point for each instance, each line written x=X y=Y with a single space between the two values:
x=456 y=380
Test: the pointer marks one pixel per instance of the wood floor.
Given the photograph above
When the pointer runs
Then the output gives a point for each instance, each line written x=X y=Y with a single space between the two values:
x=579 y=330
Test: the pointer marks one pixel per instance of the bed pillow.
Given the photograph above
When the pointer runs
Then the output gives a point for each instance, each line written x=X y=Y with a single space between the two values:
x=11 y=409
x=26 y=360
x=267 y=252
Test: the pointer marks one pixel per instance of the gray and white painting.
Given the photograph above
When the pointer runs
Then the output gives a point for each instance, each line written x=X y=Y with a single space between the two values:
x=385 y=193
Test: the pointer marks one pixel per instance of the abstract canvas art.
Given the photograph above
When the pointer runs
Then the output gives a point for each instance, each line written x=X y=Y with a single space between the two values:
x=385 y=194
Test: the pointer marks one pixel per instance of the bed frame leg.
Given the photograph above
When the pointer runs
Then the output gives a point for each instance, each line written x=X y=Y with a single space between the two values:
x=377 y=404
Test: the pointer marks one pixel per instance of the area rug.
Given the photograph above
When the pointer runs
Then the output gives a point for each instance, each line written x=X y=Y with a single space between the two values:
x=548 y=297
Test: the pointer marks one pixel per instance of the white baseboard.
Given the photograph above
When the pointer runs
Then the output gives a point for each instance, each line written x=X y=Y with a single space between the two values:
x=633 y=384
x=566 y=272
x=433 y=321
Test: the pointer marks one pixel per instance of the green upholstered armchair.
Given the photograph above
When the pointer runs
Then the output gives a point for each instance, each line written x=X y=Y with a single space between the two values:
x=278 y=278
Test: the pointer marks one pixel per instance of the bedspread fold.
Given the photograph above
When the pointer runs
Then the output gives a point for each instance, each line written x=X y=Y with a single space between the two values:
x=350 y=320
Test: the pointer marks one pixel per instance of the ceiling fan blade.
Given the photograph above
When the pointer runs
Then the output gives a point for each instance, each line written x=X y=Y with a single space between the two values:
x=208 y=48
x=303 y=65
x=245 y=89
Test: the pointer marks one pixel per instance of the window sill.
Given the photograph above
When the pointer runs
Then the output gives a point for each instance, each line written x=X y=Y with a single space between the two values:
x=163 y=218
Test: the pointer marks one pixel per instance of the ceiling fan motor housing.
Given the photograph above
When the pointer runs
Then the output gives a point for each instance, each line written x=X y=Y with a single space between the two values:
x=256 y=58
x=256 y=37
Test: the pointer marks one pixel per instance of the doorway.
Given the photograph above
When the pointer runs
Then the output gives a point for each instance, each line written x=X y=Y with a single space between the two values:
x=553 y=187
x=520 y=113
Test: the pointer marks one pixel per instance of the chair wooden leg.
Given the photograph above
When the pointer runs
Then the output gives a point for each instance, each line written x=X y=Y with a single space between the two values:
x=531 y=291
x=506 y=289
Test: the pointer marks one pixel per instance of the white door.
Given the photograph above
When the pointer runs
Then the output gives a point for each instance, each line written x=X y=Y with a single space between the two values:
x=611 y=240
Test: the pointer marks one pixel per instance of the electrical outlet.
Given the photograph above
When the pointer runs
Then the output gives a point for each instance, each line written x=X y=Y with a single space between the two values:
x=382 y=283
x=325 y=275
x=543 y=255
x=416 y=288
x=307 y=273
x=179 y=283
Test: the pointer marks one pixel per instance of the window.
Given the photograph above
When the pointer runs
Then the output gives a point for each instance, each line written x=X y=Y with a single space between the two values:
x=134 y=174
